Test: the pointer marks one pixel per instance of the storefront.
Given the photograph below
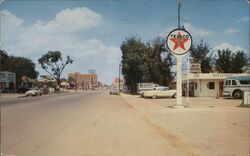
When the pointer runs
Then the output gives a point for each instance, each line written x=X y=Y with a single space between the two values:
x=7 y=80
x=205 y=84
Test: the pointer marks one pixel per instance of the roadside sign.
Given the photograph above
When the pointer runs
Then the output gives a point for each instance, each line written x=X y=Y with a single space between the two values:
x=179 y=41
x=195 y=67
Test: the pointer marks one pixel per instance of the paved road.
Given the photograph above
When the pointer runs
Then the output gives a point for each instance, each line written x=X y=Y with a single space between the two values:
x=81 y=124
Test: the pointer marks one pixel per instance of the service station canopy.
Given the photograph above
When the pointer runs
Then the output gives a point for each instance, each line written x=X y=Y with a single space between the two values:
x=179 y=41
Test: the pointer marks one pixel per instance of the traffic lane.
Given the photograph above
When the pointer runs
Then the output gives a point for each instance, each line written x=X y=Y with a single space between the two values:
x=31 y=124
x=107 y=126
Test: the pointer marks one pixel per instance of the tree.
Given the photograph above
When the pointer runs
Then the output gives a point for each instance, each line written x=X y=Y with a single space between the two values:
x=71 y=77
x=150 y=62
x=239 y=60
x=224 y=60
x=53 y=64
x=161 y=61
x=133 y=57
x=4 y=58
x=20 y=65
x=229 y=62
x=201 y=52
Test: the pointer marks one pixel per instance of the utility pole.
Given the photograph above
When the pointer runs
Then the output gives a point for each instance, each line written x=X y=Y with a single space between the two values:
x=119 y=78
x=179 y=12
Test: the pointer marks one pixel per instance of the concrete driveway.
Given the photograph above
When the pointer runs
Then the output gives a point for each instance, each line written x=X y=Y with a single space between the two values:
x=212 y=126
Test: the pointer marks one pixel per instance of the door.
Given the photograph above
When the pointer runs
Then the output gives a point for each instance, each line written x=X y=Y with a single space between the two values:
x=220 y=88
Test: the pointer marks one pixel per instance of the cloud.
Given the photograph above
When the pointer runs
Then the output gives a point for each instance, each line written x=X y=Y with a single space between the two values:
x=231 y=31
x=197 y=31
x=62 y=33
x=243 y=19
x=74 y=20
x=10 y=21
x=10 y=26
x=226 y=45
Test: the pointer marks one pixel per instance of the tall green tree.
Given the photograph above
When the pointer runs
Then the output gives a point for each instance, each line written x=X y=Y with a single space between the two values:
x=160 y=62
x=239 y=60
x=53 y=63
x=229 y=62
x=20 y=65
x=133 y=57
x=150 y=62
x=4 y=60
x=201 y=52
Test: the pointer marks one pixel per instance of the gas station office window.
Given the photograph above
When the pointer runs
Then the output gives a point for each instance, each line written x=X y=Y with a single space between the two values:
x=210 y=85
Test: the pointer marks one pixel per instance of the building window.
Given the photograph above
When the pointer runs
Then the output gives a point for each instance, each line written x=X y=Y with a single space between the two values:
x=210 y=85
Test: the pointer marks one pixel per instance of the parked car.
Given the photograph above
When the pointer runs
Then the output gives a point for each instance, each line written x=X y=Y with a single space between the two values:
x=160 y=92
x=141 y=87
x=113 y=91
x=33 y=92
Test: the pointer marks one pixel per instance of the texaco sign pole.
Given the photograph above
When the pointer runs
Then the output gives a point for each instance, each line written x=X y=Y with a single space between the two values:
x=179 y=42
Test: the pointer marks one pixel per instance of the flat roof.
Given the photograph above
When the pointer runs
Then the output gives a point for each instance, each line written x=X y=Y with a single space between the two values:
x=211 y=76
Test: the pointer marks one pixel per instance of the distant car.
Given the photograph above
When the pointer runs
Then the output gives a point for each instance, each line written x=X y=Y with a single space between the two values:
x=113 y=91
x=160 y=92
x=33 y=92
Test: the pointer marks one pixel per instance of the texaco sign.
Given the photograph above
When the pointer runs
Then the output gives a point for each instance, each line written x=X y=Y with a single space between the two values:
x=179 y=41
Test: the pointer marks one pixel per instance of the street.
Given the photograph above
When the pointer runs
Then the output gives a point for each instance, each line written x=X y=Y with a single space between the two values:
x=83 y=124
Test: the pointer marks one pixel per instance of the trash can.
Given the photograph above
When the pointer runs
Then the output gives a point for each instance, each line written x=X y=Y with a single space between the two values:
x=246 y=98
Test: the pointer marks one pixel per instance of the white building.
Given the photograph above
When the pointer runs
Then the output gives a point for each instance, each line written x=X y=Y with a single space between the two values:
x=7 y=80
x=205 y=84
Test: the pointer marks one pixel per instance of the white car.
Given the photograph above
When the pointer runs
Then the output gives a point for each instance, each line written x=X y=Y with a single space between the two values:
x=160 y=92
x=33 y=92
x=113 y=91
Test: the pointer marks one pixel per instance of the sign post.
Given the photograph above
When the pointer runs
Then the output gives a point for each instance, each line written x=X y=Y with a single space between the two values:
x=179 y=42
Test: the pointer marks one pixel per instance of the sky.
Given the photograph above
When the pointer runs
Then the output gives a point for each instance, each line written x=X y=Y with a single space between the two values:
x=92 y=31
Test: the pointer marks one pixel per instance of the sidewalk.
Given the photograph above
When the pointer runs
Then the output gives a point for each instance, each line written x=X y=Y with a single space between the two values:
x=16 y=95
x=211 y=126
x=10 y=95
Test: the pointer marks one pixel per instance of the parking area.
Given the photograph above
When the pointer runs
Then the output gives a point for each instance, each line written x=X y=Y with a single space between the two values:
x=212 y=126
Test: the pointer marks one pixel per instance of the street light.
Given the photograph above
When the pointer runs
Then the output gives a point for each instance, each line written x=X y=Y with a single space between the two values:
x=119 y=78
x=179 y=12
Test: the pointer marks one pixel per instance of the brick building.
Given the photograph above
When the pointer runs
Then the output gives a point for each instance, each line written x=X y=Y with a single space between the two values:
x=84 y=81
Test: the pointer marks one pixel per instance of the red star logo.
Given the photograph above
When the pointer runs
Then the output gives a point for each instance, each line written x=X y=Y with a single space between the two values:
x=179 y=41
